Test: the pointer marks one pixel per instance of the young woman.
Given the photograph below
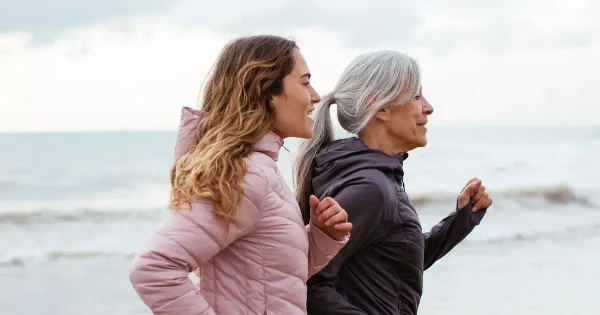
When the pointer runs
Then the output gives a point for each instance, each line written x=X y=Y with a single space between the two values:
x=380 y=271
x=233 y=219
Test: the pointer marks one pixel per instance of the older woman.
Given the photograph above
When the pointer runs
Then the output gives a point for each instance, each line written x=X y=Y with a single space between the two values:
x=380 y=271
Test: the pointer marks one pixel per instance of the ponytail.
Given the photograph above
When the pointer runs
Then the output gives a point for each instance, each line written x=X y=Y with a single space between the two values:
x=305 y=161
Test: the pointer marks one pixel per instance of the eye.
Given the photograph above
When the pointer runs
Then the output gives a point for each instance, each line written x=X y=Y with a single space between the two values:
x=418 y=97
x=307 y=83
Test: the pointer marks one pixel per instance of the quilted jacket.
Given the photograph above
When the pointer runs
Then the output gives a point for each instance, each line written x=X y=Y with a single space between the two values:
x=259 y=266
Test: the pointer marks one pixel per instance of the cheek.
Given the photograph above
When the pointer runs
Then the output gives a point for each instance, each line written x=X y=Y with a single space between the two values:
x=292 y=108
x=404 y=125
x=298 y=102
x=401 y=123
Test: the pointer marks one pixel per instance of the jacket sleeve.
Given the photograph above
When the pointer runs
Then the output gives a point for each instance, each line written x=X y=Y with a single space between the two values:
x=449 y=232
x=363 y=201
x=184 y=242
x=322 y=248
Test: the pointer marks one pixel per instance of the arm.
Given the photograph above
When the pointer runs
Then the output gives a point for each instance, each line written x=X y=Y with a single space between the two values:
x=322 y=248
x=449 y=232
x=363 y=201
x=185 y=241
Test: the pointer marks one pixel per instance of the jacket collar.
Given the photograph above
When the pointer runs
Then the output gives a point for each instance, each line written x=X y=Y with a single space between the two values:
x=269 y=144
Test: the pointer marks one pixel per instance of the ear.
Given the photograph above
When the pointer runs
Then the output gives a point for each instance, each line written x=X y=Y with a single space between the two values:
x=277 y=100
x=383 y=114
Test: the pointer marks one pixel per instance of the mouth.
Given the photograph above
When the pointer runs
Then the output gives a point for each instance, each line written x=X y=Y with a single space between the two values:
x=422 y=124
x=310 y=111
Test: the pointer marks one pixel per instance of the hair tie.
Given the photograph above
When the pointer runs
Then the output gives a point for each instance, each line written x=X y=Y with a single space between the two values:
x=331 y=99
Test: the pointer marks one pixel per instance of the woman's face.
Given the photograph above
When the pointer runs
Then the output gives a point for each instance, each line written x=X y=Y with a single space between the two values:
x=406 y=123
x=296 y=102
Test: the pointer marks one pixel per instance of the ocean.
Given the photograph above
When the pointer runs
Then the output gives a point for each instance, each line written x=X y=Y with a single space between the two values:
x=75 y=207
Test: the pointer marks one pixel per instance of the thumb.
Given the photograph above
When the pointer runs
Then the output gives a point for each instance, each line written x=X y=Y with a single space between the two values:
x=472 y=189
x=472 y=180
x=468 y=192
x=314 y=203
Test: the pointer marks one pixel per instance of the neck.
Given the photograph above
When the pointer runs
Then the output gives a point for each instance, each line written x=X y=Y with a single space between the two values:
x=277 y=133
x=381 y=141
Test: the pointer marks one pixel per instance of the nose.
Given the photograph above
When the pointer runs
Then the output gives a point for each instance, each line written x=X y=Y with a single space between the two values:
x=314 y=96
x=427 y=108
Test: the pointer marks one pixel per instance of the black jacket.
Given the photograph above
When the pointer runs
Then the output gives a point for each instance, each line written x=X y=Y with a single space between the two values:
x=380 y=270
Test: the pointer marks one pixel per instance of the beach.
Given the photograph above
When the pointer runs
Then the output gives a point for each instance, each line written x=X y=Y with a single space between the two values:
x=75 y=207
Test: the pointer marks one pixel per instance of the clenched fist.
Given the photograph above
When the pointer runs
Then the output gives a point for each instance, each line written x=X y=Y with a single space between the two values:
x=329 y=217
x=474 y=192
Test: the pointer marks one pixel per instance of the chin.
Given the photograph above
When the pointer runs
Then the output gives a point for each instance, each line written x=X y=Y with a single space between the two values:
x=302 y=134
x=419 y=142
x=307 y=133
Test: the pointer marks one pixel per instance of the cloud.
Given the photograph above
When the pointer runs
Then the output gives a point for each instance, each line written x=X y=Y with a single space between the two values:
x=521 y=88
x=510 y=26
x=119 y=84
x=506 y=36
x=441 y=27
x=46 y=20
x=358 y=24
x=438 y=26
x=133 y=68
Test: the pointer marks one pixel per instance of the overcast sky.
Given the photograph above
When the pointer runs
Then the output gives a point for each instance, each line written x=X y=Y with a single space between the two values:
x=114 y=64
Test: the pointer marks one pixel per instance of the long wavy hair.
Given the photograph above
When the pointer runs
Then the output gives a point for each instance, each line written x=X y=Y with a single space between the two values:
x=238 y=113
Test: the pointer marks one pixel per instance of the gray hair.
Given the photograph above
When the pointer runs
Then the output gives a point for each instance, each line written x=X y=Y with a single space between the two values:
x=369 y=83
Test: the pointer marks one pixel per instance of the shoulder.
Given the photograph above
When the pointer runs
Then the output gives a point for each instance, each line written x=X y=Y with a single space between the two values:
x=370 y=185
x=261 y=175
x=372 y=179
x=255 y=182
x=262 y=164
x=255 y=191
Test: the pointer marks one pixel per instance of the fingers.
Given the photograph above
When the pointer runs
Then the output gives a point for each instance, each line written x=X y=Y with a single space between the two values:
x=469 y=182
x=340 y=217
x=333 y=215
x=314 y=203
x=326 y=204
x=472 y=188
x=465 y=196
x=343 y=227
x=484 y=202
x=478 y=194
x=474 y=193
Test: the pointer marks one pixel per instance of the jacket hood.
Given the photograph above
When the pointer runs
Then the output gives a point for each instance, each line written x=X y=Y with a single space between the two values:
x=187 y=135
x=344 y=157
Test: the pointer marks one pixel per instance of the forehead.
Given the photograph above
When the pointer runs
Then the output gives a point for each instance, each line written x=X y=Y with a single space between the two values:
x=300 y=66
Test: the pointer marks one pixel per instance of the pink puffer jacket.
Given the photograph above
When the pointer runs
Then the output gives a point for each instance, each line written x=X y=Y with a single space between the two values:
x=259 y=267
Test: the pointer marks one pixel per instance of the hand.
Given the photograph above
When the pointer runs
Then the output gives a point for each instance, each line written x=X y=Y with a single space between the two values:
x=329 y=217
x=474 y=192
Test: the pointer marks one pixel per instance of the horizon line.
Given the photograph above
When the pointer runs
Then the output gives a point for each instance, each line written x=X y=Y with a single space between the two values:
x=65 y=131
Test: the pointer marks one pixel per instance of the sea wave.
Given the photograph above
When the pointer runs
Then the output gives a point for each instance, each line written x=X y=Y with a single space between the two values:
x=61 y=182
x=31 y=258
x=565 y=233
x=87 y=215
x=556 y=195
x=27 y=259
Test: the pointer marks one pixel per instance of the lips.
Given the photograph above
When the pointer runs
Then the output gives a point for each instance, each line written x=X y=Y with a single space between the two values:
x=422 y=124
x=310 y=111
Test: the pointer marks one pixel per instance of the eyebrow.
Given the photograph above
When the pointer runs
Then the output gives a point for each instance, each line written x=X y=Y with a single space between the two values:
x=306 y=75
